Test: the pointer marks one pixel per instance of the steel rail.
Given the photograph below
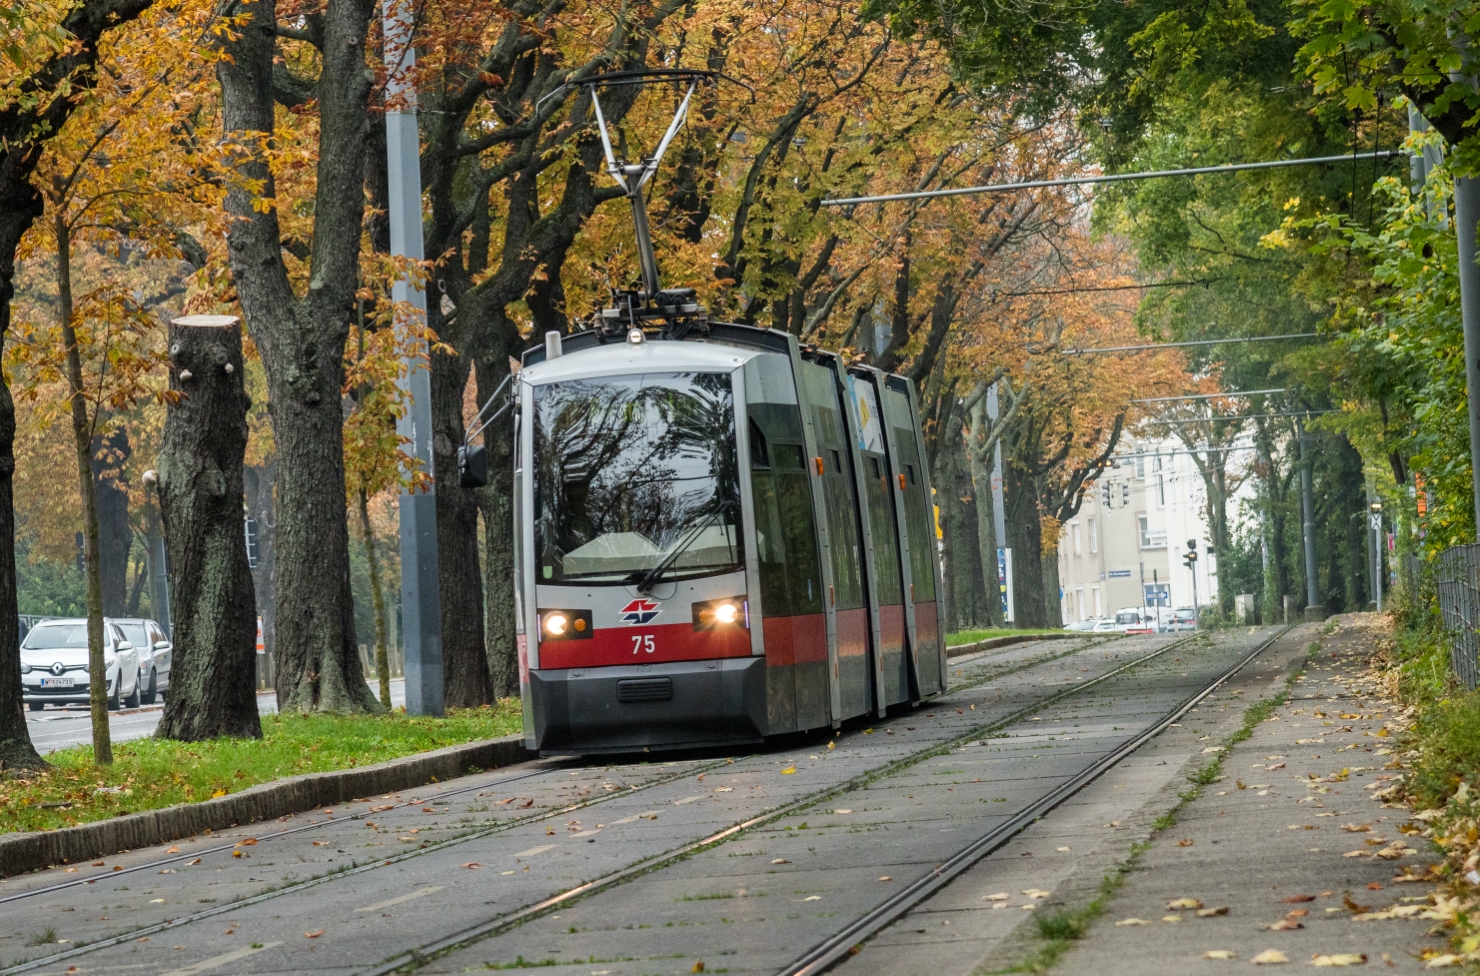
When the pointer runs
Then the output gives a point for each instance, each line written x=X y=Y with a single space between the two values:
x=1111 y=178
x=830 y=951
x=169 y=924
x=414 y=958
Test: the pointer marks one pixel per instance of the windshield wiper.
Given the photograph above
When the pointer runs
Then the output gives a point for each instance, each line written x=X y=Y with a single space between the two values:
x=647 y=580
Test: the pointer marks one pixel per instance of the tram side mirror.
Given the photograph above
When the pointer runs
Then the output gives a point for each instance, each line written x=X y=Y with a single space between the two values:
x=472 y=466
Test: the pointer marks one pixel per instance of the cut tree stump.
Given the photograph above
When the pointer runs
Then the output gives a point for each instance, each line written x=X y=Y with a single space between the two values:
x=212 y=680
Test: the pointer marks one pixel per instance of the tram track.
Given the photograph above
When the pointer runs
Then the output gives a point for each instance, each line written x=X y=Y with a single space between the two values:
x=414 y=958
x=323 y=825
x=418 y=955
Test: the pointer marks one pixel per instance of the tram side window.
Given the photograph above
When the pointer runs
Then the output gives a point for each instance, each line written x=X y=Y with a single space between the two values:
x=886 y=542
x=917 y=521
x=842 y=515
x=790 y=565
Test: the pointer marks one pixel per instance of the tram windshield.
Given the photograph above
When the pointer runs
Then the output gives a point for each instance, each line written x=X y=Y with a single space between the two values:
x=630 y=470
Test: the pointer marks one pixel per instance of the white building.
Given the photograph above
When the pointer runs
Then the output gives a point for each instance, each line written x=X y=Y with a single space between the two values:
x=1125 y=548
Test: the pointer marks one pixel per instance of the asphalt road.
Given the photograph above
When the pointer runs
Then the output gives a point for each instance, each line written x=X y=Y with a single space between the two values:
x=60 y=726
x=741 y=861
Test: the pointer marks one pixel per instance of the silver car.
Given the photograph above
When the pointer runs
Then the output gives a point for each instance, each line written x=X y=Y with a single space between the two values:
x=54 y=665
x=156 y=651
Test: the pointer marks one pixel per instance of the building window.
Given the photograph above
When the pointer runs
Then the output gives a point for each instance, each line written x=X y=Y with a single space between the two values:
x=1094 y=538
x=1096 y=591
x=1074 y=531
x=1161 y=491
x=1079 y=601
x=1151 y=538
x=1140 y=467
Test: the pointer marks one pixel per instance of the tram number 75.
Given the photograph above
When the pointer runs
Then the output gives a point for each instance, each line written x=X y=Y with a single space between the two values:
x=643 y=642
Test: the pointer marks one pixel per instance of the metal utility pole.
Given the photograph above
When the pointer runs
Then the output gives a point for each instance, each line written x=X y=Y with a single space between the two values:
x=1466 y=218
x=421 y=604
x=1313 y=608
x=1377 y=552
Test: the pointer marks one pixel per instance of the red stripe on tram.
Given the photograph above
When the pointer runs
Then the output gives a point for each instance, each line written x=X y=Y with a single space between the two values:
x=645 y=644
x=795 y=640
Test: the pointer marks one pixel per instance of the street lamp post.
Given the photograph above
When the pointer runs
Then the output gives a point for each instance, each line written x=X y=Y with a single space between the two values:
x=1376 y=519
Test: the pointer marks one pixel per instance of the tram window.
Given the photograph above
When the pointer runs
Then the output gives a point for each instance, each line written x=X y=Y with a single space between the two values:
x=789 y=456
x=917 y=522
x=886 y=538
x=910 y=473
x=786 y=534
x=759 y=456
x=837 y=462
x=628 y=468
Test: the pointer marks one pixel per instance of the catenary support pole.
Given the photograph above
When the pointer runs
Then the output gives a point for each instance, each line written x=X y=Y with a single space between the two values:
x=1313 y=608
x=1466 y=218
x=421 y=605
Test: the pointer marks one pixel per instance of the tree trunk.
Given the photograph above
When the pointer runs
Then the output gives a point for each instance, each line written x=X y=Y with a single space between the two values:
x=465 y=675
x=496 y=501
x=377 y=601
x=978 y=454
x=1024 y=531
x=82 y=442
x=115 y=536
x=966 y=568
x=259 y=488
x=212 y=682
x=302 y=340
x=1053 y=600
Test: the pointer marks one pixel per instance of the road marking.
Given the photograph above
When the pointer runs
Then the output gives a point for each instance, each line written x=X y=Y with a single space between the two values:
x=206 y=964
x=420 y=893
x=625 y=820
x=687 y=799
x=536 y=850
x=586 y=833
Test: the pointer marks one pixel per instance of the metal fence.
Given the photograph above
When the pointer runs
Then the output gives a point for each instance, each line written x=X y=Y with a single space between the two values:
x=1457 y=577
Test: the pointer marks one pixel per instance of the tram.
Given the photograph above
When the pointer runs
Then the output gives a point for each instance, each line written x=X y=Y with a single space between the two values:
x=722 y=534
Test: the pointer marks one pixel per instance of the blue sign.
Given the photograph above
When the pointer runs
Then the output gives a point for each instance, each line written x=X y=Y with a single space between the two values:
x=1120 y=574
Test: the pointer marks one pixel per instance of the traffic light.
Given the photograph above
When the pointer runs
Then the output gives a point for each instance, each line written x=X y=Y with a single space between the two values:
x=1190 y=559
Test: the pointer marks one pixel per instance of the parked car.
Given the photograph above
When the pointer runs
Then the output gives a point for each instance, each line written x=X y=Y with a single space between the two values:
x=1183 y=618
x=54 y=665
x=1105 y=625
x=1083 y=625
x=156 y=652
x=1136 y=620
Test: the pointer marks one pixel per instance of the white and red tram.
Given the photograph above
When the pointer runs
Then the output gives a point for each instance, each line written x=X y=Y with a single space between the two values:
x=721 y=535
x=720 y=538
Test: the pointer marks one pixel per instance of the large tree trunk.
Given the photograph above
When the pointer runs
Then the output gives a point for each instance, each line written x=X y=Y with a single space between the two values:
x=496 y=502
x=212 y=691
x=302 y=340
x=978 y=458
x=115 y=536
x=465 y=676
x=966 y=568
x=1024 y=533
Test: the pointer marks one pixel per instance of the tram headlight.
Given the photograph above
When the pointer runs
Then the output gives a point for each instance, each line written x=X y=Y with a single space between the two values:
x=722 y=614
x=563 y=625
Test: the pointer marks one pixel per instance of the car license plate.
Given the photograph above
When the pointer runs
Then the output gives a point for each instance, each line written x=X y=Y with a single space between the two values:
x=56 y=682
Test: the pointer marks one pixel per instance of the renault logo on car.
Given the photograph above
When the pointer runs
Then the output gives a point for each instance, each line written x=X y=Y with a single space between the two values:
x=58 y=668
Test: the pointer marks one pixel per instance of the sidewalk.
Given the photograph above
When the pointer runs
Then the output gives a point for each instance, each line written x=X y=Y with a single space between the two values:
x=1292 y=857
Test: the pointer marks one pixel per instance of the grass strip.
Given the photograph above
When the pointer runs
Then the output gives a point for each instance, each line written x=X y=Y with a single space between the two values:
x=1059 y=930
x=987 y=633
x=148 y=774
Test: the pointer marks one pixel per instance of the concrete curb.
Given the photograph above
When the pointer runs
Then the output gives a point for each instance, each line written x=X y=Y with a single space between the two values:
x=20 y=853
x=987 y=645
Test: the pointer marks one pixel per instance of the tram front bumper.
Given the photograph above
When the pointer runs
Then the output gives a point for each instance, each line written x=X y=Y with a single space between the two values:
x=683 y=705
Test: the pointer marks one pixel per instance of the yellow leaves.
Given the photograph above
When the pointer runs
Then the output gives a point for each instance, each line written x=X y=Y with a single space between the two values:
x=789 y=770
x=1339 y=959
x=1270 y=957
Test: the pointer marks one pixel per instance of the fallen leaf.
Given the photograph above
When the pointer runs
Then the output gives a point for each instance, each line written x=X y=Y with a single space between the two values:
x=725 y=789
x=1062 y=850
x=812 y=898
x=1356 y=828
x=1210 y=912
x=832 y=745
x=1339 y=959
x=1284 y=925
x=1276 y=766
x=1374 y=886
x=1036 y=892
x=1270 y=957
x=236 y=853
x=1220 y=954
x=887 y=878
x=527 y=804
x=1439 y=962
x=698 y=967
x=472 y=865
x=314 y=934
x=248 y=842
x=1346 y=900
x=999 y=896
x=1185 y=842
x=1184 y=903
x=196 y=861
x=1132 y=921
x=1297 y=899
x=781 y=860
x=1171 y=918
x=1297 y=913
x=788 y=770
x=173 y=850
x=97 y=864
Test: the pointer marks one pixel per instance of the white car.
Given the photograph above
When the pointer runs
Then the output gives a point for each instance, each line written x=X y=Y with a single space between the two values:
x=54 y=665
x=156 y=653
x=1107 y=626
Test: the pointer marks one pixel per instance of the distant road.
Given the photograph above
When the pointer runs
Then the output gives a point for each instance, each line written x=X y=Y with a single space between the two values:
x=60 y=726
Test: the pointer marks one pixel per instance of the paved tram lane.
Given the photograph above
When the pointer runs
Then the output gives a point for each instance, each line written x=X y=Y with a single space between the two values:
x=897 y=826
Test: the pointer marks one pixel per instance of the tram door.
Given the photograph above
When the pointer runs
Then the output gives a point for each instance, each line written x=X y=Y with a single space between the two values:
x=845 y=553
x=918 y=529
x=789 y=562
